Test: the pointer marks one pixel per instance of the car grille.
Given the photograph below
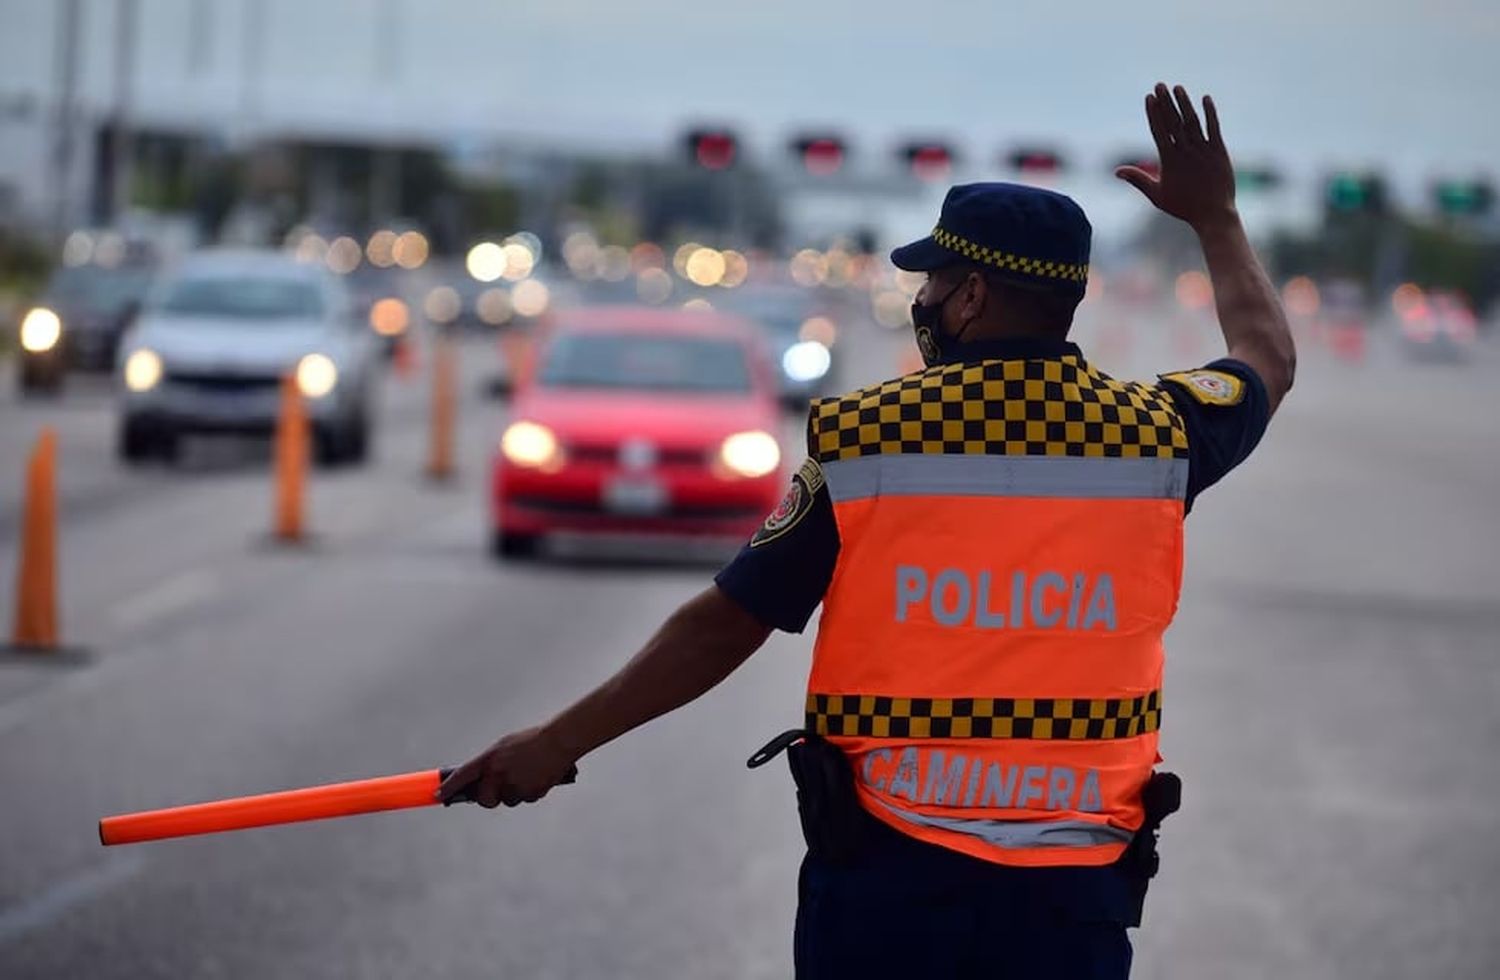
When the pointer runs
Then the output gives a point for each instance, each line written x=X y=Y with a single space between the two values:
x=665 y=456
x=702 y=511
x=223 y=382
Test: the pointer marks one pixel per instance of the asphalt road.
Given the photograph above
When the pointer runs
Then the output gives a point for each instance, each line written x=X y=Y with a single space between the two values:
x=1332 y=681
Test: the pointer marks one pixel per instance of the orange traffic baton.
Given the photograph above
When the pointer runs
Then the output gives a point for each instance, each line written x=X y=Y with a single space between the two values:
x=400 y=792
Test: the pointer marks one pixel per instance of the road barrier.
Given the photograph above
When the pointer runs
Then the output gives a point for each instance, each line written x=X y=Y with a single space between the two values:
x=444 y=407
x=291 y=463
x=36 y=627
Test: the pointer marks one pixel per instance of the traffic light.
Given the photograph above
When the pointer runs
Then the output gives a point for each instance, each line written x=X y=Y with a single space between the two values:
x=1464 y=197
x=1257 y=178
x=712 y=149
x=928 y=160
x=821 y=154
x=1035 y=161
x=1354 y=193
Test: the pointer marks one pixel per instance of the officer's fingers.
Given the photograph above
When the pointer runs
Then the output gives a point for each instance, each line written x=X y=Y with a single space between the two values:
x=1190 y=124
x=1211 y=114
x=490 y=792
x=458 y=780
x=1158 y=127
x=1171 y=122
x=1140 y=180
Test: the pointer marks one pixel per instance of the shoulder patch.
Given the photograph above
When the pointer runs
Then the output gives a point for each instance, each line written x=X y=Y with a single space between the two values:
x=1210 y=387
x=794 y=506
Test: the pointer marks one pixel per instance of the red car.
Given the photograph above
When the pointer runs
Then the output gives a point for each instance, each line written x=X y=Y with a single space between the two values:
x=639 y=421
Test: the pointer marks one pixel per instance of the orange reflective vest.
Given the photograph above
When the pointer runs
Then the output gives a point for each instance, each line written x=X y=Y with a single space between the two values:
x=990 y=650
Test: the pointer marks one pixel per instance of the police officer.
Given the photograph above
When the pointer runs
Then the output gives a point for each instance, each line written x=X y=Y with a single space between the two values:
x=996 y=541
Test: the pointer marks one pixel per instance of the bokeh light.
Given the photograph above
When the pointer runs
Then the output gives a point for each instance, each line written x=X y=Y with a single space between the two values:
x=736 y=269
x=381 y=249
x=344 y=255
x=1300 y=294
x=493 y=306
x=705 y=267
x=819 y=329
x=530 y=298
x=519 y=260
x=698 y=305
x=485 y=262
x=78 y=249
x=1194 y=291
x=442 y=305
x=647 y=255
x=311 y=249
x=411 y=250
x=389 y=317
x=808 y=267
x=613 y=263
x=653 y=286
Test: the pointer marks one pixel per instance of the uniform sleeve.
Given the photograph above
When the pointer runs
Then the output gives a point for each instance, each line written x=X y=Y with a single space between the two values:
x=1226 y=410
x=781 y=575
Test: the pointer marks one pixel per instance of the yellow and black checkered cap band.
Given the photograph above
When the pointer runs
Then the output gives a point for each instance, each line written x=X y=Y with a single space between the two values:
x=1037 y=407
x=1009 y=261
x=1072 y=719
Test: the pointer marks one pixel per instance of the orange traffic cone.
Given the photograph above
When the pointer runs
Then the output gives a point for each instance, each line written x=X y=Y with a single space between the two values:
x=291 y=463
x=404 y=357
x=440 y=441
x=35 y=627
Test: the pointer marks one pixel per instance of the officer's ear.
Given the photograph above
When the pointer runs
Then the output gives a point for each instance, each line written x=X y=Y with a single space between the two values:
x=974 y=296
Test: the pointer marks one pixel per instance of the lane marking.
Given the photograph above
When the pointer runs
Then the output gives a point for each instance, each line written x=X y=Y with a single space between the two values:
x=67 y=894
x=174 y=595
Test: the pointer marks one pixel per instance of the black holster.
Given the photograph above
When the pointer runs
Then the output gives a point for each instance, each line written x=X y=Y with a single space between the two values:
x=834 y=824
x=1140 y=862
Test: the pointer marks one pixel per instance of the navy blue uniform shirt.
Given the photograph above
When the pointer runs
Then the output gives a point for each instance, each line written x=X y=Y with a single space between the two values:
x=783 y=574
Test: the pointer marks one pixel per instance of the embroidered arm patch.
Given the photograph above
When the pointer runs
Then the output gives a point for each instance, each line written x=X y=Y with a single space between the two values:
x=794 y=506
x=1210 y=387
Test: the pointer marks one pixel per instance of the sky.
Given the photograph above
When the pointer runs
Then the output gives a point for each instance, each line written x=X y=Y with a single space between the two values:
x=1307 y=84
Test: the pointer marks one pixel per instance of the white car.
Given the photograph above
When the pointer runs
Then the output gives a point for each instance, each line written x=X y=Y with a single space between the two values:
x=215 y=338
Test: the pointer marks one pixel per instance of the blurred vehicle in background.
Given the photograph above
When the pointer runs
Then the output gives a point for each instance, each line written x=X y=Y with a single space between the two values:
x=379 y=301
x=214 y=340
x=639 y=420
x=801 y=335
x=79 y=319
x=1438 y=326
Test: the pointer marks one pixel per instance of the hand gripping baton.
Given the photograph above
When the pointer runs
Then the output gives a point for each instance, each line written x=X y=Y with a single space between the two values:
x=399 y=792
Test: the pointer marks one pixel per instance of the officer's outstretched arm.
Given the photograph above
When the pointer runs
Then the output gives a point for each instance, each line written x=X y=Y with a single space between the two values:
x=697 y=647
x=1196 y=184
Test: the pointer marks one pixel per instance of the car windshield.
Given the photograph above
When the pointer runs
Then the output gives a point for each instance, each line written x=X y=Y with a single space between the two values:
x=99 y=290
x=246 y=297
x=645 y=362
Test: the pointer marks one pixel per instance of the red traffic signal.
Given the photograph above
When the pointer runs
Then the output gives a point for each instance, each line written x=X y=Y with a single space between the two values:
x=1031 y=160
x=928 y=161
x=713 y=149
x=820 y=155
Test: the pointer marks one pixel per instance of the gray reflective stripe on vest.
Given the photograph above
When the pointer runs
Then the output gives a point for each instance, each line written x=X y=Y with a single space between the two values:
x=1013 y=834
x=962 y=475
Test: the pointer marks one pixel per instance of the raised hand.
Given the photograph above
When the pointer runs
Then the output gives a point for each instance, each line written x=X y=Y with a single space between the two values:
x=1196 y=183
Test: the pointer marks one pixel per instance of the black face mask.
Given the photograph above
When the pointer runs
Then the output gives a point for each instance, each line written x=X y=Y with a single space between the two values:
x=927 y=320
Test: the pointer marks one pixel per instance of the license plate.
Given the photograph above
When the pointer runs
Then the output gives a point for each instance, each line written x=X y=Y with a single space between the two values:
x=635 y=497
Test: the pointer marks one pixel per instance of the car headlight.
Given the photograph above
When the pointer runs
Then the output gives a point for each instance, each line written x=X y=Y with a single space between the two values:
x=532 y=445
x=40 y=330
x=142 y=370
x=751 y=454
x=806 y=361
x=316 y=375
